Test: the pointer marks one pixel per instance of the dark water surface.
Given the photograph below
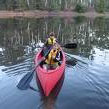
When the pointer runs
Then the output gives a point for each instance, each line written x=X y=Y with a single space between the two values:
x=85 y=84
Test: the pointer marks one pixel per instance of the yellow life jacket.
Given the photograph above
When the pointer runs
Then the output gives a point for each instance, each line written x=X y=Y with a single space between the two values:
x=51 y=40
x=51 y=56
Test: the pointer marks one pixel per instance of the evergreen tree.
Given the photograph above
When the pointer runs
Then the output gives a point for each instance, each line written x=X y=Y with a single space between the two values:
x=100 y=6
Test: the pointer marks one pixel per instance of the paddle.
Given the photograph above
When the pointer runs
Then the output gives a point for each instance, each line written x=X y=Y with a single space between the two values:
x=83 y=60
x=70 y=45
x=25 y=81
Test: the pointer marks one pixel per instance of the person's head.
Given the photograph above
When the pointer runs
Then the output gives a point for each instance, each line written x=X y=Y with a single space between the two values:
x=52 y=35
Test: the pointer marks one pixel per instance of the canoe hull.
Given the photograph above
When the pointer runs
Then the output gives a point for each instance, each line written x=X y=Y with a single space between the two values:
x=49 y=78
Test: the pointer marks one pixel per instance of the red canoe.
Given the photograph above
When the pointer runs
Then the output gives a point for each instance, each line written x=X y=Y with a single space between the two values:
x=49 y=78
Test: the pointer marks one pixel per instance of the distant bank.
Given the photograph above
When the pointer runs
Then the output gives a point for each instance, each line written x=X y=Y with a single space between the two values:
x=39 y=14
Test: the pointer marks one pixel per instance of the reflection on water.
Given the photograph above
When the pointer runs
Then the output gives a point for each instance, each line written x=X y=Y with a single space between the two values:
x=86 y=76
x=17 y=34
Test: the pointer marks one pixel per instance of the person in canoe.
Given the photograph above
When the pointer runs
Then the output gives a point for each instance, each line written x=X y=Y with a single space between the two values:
x=52 y=60
x=50 y=42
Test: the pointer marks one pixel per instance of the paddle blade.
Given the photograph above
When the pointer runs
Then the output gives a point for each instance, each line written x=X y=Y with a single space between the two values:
x=70 y=45
x=83 y=60
x=25 y=81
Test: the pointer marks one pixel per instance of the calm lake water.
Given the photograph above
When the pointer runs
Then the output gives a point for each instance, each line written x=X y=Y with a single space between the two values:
x=85 y=84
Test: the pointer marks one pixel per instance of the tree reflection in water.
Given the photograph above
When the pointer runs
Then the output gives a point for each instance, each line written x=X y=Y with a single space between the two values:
x=18 y=33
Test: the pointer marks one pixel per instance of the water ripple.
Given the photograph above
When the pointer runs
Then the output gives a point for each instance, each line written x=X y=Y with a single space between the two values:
x=20 y=68
x=97 y=83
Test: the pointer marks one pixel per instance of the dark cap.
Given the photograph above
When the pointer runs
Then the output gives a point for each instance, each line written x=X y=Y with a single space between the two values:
x=52 y=34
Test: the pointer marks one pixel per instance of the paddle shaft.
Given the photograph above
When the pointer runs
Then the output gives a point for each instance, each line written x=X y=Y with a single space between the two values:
x=69 y=46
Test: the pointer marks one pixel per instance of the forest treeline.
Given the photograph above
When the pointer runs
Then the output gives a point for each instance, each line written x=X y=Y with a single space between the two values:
x=55 y=5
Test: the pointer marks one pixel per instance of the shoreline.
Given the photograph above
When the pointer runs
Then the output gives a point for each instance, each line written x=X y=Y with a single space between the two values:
x=39 y=14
